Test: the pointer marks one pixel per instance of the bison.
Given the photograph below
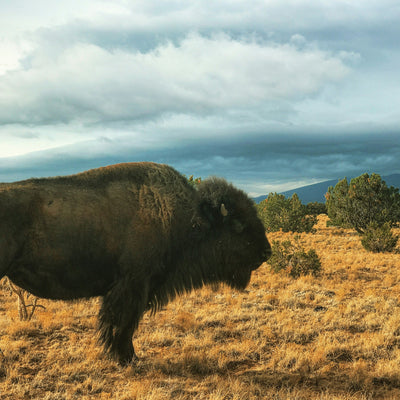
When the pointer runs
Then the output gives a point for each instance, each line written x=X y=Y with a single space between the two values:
x=136 y=234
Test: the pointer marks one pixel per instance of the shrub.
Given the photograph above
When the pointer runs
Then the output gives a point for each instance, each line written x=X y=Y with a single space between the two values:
x=293 y=259
x=278 y=212
x=366 y=200
x=379 y=239
x=194 y=181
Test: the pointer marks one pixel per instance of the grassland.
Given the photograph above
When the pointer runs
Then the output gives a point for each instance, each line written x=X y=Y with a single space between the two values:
x=332 y=337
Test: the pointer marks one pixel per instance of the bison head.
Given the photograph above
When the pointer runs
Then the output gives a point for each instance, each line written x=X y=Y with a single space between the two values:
x=239 y=243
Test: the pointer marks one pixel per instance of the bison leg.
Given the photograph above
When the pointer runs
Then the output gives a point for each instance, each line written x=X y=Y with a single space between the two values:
x=121 y=311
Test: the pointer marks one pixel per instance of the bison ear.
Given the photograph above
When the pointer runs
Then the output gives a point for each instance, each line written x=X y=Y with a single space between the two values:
x=224 y=211
x=238 y=226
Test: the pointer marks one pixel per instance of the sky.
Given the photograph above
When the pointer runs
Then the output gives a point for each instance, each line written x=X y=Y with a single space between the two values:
x=271 y=94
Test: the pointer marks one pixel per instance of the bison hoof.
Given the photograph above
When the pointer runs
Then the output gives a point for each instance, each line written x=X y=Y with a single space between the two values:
x=126 y=361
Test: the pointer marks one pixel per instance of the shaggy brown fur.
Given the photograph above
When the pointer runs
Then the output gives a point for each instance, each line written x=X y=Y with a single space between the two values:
x=136 y=234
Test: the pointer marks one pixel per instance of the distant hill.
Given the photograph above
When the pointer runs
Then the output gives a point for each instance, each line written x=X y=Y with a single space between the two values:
x=316 y=192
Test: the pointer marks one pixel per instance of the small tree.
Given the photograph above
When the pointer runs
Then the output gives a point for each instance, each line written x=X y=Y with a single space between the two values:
x=278 y=212
x=366 y=200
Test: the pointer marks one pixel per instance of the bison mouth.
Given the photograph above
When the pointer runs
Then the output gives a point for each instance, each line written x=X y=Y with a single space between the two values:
x=256 y=265
x=240 y=278
x=267 y=252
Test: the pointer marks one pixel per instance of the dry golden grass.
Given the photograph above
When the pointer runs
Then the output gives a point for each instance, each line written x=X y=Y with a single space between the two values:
x=332 y=337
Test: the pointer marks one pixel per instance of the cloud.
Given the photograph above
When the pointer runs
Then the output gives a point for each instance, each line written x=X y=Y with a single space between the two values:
x=277 y=92
x=198 y=76
x=256 y=164
x=11 y=52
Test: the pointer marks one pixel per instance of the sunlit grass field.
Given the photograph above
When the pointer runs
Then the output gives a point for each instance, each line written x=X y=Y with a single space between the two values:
x=332 y=337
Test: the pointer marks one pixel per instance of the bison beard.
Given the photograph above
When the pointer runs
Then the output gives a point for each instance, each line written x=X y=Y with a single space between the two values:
x=136 y=234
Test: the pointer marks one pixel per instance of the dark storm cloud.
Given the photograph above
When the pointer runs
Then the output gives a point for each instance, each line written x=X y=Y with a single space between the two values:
x=255 y=163
x=291 y=156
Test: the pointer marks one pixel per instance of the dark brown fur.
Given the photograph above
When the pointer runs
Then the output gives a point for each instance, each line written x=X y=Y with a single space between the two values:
x=136 y=234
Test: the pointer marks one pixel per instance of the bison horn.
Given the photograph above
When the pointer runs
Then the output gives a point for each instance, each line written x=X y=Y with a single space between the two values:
x=224 y=211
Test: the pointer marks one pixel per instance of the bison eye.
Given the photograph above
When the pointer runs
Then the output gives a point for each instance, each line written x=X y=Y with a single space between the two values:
x=238 y=227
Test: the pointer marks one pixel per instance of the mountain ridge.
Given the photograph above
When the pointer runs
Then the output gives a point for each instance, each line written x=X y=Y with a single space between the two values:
x=316 y=191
